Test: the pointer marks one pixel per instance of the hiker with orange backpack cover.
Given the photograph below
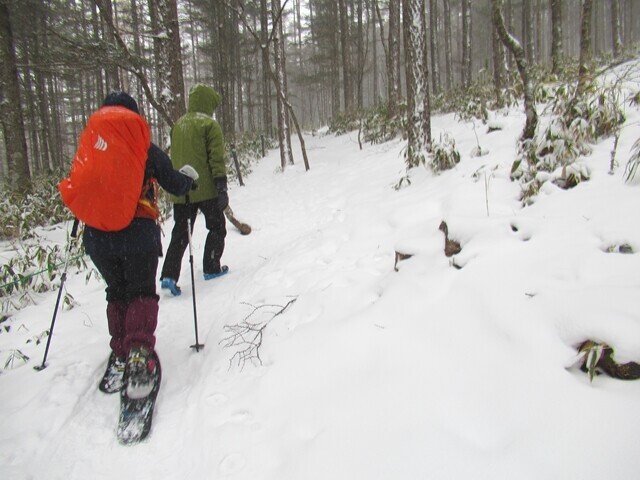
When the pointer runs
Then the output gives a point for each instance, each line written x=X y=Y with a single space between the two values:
x=126 y=256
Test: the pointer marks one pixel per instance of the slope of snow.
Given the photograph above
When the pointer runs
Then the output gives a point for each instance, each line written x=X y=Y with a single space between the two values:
x=368 y=373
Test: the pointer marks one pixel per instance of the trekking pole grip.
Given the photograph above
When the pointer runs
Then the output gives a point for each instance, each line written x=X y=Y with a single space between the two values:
x=74 y=229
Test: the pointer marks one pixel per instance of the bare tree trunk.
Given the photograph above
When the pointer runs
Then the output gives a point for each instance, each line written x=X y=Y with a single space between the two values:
x=285 y=84
x=393 y=73
x=194 y=39
x=516 y=49
x=433 y=45
x=374 y=41
x=556 y=35
x=42 y=100
x=335 y=62
x=347 y=84
x=267 y=115
x=275 y=80
x=238 y=73
x=417 y=79
x=283 y=125
x=31 y=120
x=10 y=106
x=132 y=64
x=615 y=28
x=391 y=98
x=224 y=55
x=137 y=46
x=112 y=80
x=360 y=55
x=95 y=24
x=586 y=51
x=466 y=43
x=499 y=65
x=527 y=31
x=448 y=51
x=171 y=76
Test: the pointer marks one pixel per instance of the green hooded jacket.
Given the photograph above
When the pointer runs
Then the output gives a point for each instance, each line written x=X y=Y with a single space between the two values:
x=196 y=140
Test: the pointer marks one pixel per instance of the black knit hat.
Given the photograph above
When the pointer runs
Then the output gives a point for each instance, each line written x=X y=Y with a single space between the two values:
x=121 y=99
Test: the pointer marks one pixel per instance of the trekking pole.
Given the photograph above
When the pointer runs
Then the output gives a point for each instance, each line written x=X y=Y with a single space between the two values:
x=197 y=345
x=74 y=232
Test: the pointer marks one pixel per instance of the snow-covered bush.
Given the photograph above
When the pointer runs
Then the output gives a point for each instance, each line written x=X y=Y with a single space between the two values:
x=444 y=155
x=634 y=161
x=379 y=127
x=345 y=122
x=248 y=148
x=20 y=213
x=573 y=123
x=36 y=268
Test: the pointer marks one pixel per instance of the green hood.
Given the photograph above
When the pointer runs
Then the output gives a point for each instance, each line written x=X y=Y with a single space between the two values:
x=203 y=99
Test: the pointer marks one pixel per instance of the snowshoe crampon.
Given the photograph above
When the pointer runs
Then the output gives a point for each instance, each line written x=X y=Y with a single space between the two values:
x=136 y=414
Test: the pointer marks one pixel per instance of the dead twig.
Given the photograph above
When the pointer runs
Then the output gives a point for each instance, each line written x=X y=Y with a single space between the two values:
x=247 y=335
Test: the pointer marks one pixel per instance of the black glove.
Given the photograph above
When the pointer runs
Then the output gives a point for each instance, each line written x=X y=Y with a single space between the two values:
x=223 y=200
x=221 y=187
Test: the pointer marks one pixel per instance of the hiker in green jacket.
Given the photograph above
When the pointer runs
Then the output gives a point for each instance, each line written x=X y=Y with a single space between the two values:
x=196 y=140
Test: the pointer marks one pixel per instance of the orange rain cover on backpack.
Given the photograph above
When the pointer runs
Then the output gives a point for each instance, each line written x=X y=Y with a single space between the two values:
x=107 y=173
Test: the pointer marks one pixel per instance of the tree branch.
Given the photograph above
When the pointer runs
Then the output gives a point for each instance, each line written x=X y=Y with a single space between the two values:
x=240 y=11
x=248 y=335
x=132 y=65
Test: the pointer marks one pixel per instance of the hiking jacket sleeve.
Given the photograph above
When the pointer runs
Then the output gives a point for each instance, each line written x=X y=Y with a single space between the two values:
x=215 y=150
x=169 y=179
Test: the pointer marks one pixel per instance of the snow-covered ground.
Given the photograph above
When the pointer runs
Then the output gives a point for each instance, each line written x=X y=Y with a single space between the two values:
x=368 y=373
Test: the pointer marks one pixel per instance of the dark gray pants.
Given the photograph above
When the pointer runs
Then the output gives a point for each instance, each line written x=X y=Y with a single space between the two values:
x=215 y=222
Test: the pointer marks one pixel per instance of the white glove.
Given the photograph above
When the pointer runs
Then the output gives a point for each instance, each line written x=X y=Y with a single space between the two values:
x=189 y=171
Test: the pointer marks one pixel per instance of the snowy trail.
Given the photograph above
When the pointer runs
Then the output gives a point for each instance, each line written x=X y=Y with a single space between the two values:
x=428 y=372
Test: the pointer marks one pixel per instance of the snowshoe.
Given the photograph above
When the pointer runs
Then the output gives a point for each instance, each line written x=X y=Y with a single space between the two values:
x=138 y=396
x=112 y=379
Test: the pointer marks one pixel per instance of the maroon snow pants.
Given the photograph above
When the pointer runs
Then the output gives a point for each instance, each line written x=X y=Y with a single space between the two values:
x=132 y=302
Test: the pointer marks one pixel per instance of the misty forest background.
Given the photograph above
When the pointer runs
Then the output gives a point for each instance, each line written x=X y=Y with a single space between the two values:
x=288 y=67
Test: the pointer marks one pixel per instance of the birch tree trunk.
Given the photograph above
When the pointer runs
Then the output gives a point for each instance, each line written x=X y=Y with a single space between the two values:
x=417 y=80
x=283 y=124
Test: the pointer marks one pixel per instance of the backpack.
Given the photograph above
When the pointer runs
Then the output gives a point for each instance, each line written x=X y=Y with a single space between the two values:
x=107 y=173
